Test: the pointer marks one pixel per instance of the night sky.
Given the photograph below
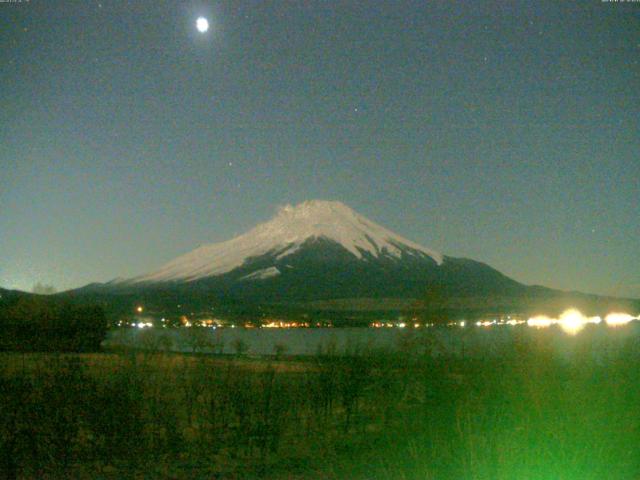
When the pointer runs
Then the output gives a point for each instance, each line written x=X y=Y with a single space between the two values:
x=506 y=132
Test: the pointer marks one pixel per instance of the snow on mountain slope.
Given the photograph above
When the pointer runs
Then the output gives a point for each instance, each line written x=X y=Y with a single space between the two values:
x=262 y=274
x=284 y=235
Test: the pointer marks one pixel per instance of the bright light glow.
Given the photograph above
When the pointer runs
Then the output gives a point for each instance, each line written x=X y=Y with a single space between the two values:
x=617 y=319
x=402 y=325
x=202 y=24
x=541 y=321
x=139 y=309
x=572 y=321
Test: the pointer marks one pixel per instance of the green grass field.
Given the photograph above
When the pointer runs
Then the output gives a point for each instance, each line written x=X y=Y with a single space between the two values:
x=525 y=414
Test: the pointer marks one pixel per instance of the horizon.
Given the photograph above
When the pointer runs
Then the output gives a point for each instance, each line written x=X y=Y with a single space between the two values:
x=506 y=134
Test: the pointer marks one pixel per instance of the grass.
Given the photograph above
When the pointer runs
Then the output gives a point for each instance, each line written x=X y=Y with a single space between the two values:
x=523 y=414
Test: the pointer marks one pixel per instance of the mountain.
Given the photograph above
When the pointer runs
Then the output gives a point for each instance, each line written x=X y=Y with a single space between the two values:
x=11 y=297
x=322 y=250
x=293 y=229
x=324 y=255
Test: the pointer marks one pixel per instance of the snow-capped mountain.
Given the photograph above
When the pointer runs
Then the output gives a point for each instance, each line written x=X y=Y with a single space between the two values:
x=320 y=255
x=318 y=250
x=284 y=235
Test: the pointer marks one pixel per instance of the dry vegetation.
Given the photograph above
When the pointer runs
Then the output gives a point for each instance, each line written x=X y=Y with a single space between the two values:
x=525 y=414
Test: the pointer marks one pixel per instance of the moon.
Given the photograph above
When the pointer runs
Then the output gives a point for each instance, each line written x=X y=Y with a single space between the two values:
x=202 y=24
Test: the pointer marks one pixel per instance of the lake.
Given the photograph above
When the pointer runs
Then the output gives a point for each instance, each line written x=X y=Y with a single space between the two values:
x=468 y=341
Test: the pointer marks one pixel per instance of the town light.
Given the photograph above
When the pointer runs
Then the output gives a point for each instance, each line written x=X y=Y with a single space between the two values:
x=541 y=321
x=617 y=319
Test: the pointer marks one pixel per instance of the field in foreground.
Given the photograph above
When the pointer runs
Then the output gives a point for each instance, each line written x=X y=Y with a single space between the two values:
x=524 y=414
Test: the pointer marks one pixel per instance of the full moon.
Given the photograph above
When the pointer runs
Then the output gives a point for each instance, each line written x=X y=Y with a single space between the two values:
x=202 y=24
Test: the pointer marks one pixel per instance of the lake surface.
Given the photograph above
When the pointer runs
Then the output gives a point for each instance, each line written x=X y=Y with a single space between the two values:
x=469 y=341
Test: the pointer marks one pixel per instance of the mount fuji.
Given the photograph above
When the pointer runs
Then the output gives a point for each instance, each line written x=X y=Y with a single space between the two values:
x=293 y=231
x=322 y=254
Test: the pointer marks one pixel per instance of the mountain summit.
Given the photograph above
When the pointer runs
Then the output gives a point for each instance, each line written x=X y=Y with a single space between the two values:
x=284 y=235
